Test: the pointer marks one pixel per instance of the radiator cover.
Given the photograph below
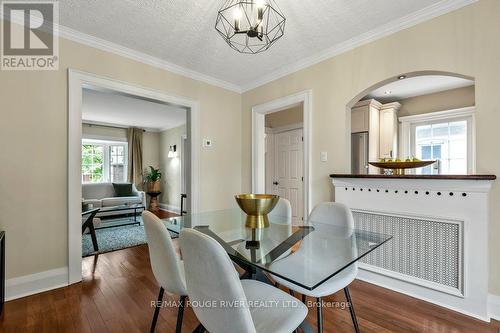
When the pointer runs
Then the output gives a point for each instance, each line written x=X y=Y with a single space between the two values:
x=423 y=251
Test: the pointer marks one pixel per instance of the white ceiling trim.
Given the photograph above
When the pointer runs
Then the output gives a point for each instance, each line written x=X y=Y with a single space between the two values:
x=105 y=45
x=438 y=9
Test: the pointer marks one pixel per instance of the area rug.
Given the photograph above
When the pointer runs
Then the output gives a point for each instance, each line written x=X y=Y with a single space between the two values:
x=117 y=238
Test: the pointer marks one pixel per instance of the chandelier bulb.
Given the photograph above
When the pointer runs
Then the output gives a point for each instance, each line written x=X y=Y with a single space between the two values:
x=237 y=19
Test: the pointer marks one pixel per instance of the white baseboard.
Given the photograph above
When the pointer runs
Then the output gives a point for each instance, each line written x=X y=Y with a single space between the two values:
x=171 y=208
x=494 y=306
x=35 y=283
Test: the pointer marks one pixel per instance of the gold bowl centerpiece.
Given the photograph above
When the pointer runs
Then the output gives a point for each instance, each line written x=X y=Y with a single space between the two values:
x=399 y=167
x=257 y=206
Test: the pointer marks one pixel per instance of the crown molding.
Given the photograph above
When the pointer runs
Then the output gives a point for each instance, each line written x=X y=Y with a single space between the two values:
x=108 y=46
x=425 y=14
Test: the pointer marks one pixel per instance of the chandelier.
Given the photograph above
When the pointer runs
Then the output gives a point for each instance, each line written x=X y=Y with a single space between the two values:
x=250 y=26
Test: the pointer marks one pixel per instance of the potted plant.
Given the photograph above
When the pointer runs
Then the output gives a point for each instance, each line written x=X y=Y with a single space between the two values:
x=152 y=179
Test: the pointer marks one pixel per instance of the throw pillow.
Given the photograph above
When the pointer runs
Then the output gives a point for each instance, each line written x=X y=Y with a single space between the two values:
x=123 y=189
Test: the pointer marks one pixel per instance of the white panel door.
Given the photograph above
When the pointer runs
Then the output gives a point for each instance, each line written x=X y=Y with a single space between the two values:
x=288 y=166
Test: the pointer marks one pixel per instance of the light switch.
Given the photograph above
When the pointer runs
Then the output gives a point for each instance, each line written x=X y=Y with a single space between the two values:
x=323 y=156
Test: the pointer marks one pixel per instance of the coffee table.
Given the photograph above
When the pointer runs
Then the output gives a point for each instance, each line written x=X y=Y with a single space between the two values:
x=135 y=207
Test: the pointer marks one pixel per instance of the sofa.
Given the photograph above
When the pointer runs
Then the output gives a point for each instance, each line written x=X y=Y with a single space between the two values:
x=103 y=195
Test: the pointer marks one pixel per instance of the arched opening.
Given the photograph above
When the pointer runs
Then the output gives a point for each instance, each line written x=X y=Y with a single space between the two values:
x=425 y=116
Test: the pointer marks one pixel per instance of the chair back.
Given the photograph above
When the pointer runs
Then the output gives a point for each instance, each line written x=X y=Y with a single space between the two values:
x=332 y=213
x=283 y=209
x=338 y=215
x=165 y=262
x=212 y=282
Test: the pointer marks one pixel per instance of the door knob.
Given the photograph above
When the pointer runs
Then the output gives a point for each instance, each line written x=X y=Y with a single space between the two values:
x=275 y=183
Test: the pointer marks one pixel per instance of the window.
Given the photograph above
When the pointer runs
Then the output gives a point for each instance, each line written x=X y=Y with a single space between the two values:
x=117 y=165
x=104 y=161
x=92 y=163
x=442 y=136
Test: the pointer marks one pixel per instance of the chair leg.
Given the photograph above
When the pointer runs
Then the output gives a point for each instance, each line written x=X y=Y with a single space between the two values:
x=304 y=299
x=351 y=309
x=157 y=310
x=320 y=314
x=180 y=314
x=291 y=292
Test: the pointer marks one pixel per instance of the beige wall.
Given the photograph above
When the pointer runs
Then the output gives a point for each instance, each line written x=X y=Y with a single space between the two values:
x=34 y=109
x=441 y=101
x=171 y=167
x=460 y=42
x=150 y=150
x=286 y=117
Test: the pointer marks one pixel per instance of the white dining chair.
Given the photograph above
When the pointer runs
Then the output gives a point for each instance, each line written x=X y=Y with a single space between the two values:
x=335 y=214
x=167 y=267
x=282 y=209
x=282 y=214
x=219 y=298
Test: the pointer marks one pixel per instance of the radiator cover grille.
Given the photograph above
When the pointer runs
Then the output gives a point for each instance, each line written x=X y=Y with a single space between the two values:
x=422 y=248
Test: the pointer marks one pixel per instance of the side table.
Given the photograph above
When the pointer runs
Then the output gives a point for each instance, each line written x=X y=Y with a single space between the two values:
x=153 y=202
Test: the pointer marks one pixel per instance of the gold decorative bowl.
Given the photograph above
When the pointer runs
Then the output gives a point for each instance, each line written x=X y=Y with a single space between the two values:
x=399 y=167
x=257 y=206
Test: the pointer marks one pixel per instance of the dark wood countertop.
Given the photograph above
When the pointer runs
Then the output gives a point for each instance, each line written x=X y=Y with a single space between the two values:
x=427 y=177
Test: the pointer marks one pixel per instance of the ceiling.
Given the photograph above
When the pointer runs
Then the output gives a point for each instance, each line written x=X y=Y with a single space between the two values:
x=417 y=86
x=110 y=108
x=182 y=32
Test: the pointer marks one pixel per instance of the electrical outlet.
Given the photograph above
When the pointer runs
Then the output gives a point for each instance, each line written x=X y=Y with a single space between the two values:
x=323 y=156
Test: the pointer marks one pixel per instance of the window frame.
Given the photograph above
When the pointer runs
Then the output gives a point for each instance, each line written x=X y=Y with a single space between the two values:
x=106 y=168
x=409 y=123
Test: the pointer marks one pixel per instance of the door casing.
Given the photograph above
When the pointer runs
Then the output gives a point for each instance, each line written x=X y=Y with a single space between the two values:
x=259 y=144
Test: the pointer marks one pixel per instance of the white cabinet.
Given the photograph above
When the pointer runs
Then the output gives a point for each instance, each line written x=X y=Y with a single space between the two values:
x=365 y=118
x=388 y=143
x=360 y=119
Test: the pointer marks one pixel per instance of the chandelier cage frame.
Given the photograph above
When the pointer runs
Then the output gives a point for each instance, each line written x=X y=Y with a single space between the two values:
x=259 y=25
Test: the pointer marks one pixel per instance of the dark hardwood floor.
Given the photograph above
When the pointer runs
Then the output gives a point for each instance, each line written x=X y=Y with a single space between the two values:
x=118 y=288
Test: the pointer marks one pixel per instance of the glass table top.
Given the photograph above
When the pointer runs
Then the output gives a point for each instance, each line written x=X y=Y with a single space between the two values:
x=121 y=207
x=306 y=255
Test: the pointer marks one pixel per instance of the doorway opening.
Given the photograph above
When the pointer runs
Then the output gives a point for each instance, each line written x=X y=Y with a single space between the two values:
x=131 y=161
x=281 y=152
x=285 y=157
x=113 y=155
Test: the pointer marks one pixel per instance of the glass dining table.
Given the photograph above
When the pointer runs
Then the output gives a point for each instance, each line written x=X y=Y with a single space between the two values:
x=323 y=250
